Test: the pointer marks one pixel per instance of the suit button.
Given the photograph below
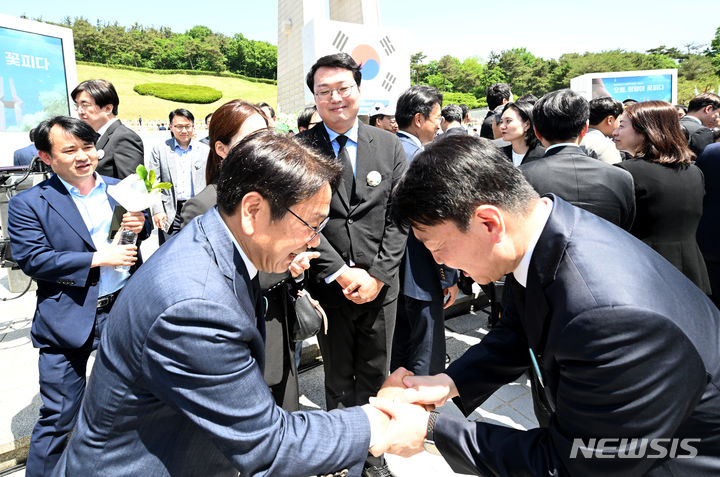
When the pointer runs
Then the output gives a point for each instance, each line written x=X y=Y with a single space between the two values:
x=350 y=221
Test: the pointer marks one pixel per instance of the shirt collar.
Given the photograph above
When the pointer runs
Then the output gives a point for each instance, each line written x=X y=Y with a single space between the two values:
x=176 y=145
x=693 y=118
x=251 y=269
x=521 y=272
x=72 y=190
x=351 y=133
x=105 y=126
x=412 y=138
x=560 y=144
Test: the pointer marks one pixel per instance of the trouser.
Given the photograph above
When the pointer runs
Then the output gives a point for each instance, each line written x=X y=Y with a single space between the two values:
x=62 y=384
x=419 y=340
x=175 y=225
x=356 y=352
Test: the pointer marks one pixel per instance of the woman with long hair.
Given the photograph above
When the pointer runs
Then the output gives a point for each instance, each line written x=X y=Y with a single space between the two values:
x=516 y=127
x=669 y=188
x=230 y=123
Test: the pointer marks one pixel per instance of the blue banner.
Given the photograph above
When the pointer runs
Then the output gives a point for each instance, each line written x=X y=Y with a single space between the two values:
x=32 y=79
x=639 y=88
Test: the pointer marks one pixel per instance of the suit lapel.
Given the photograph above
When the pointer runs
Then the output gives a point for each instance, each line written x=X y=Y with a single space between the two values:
x=171 y=160
x=363 y=162
x=59 y=199
x=231 y=264
x=542 y=271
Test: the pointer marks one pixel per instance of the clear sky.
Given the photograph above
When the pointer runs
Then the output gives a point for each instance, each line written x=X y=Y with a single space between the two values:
x=462 y=28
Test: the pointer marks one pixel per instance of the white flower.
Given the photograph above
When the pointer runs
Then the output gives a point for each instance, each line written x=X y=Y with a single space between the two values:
x=373 y=178
x=101 y=153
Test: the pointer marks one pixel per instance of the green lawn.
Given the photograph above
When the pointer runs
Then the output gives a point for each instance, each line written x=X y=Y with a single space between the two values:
x=133 y=105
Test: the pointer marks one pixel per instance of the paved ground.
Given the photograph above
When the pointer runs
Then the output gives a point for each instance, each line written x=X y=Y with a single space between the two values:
x=510 y=406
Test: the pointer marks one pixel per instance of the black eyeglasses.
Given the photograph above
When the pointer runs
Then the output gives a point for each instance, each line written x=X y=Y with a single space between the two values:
x=315 y=230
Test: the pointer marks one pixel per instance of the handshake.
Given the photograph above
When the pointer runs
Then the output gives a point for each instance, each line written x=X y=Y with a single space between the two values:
x=399 y=413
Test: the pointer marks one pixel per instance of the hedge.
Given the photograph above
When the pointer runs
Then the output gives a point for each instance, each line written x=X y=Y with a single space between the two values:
x=464 y=98
x=183 y=93
x=224 y=74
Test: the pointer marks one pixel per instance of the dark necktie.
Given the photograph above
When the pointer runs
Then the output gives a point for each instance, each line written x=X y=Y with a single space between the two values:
x=344 y=159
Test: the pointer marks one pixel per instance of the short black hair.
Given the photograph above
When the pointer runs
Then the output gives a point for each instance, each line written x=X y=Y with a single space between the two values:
x=265 y=105
x=702 y=100
x=496 y=93
x=528 y=98
x=465 y=110
x=417 y=99
x=452 y=113
x=74 y=126
x=452 y=176
x=338 y=60
x=601 y=108
x=101 y=91
x=525 y=111
x=305 y=116
x=31 y=135
x=208 y=117
x=561 y=115
x=182 y=112
x=279 y=168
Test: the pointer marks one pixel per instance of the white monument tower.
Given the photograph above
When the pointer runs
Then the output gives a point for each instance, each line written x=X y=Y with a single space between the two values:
x=353 y=27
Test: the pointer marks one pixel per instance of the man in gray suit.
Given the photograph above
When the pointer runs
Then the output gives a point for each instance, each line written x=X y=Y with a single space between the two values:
x=177 y=387
x=181 y=161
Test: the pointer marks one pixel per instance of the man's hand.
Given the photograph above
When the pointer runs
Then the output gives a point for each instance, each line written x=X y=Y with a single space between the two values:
x=450 y=292
x=114 y=256
x=393 y=385
x=301 y=262
x=429 y=391
x=406 y=432
x=160 y=220
x=359 y=286
x=378 y=428
x=133 y=221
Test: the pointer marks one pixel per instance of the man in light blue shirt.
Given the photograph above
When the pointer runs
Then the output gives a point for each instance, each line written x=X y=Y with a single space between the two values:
x=60 y=236
x=181 y=161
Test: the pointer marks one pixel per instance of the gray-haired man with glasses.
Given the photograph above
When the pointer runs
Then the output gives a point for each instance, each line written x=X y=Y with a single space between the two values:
x=356 y=276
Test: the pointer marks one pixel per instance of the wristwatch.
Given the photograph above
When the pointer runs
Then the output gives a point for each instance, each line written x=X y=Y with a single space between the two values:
x=429 y=444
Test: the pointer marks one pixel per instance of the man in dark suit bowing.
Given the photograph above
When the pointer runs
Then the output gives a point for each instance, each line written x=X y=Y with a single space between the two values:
x=451 y=123
x=356 y=277
x=119 y=149
x=59 y=233
x=419 y=339
x=561 y=120
x=624 y=346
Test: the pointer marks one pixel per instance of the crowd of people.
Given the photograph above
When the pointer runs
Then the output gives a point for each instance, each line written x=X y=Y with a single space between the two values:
x=599 y=216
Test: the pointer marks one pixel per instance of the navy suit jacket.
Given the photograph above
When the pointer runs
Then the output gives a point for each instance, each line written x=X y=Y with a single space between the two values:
x=627 y=347
x=177 y=387
x=24 y=156
x=708 y=232
x=51 y=243
x=422 y=278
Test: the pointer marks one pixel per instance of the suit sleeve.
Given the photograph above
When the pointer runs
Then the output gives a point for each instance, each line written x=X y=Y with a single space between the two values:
x=387 y=261
x=501 y=357
x=128 y=153
x=607 y=388
x=32 y=250
x=208 y=374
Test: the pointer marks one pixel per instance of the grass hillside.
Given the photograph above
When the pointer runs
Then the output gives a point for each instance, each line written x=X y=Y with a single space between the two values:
x=133 y=105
